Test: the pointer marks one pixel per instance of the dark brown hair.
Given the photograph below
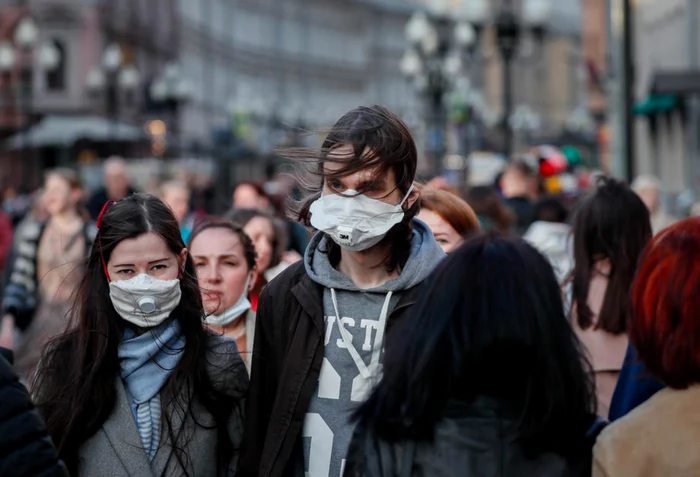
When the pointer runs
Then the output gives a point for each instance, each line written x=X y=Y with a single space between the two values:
x=452 y=208
x=380 y=141
x=208 y=222
x=613 y=224
x=490 y=208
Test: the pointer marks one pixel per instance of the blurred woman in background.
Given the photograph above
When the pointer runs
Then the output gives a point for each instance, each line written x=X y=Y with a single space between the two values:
x=660 y=437
x=269 y=237
x=610 y=231
x=224 y=257
x=449 y=218
x=48 y=267
x=491 y=210
x=485 y=373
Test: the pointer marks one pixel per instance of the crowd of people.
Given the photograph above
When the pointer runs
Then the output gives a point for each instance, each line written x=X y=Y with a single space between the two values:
x=379 y=327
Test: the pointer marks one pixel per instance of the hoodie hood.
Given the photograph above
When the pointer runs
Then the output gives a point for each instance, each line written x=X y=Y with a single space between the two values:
x=554 y=241
x=424 y=257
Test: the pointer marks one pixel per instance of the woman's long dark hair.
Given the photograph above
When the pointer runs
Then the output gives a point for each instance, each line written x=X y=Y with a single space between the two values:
x=490 y=323
x=380 y=141
x=75 y=385
x=612 y=223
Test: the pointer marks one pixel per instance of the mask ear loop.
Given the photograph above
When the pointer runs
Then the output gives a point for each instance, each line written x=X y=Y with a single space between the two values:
x=405 y=198
x=99 y=236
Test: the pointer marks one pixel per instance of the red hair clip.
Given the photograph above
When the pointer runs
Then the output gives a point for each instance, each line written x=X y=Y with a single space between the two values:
x=102 y=212
x=99 y=237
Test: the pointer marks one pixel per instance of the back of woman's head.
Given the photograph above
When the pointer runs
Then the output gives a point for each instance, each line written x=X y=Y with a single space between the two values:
x=487 y=204
x=611 y=225
x=665 y=325
x=452 y=209
x=490 y=322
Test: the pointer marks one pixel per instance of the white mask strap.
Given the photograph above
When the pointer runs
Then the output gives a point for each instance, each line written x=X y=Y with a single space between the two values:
x=410 y=189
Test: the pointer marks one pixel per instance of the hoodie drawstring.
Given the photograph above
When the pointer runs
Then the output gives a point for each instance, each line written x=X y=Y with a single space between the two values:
x=364 y=370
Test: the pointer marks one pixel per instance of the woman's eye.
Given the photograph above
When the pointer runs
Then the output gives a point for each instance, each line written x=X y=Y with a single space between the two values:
x=159 y=267
x=199 y=265
x=126 y=271
x=231 y=264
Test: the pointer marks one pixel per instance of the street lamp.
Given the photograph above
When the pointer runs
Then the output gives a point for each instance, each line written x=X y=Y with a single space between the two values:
x=436 y=56
x=26 y=37
x=112 y=77
x=510 y=29
x=434 y=62
x=169 y=92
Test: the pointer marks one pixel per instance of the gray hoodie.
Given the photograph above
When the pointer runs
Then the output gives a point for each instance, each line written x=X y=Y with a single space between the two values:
x=349 y=372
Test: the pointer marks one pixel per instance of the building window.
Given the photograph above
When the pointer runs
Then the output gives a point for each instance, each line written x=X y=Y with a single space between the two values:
x=56 y=78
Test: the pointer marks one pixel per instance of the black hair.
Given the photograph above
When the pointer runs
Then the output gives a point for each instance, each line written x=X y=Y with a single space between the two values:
x=611 y=223
x=74 y=386
x=551 y=209
x=479 y=332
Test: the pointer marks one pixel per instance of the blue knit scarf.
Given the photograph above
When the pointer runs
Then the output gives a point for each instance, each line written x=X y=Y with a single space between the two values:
x=146 y=362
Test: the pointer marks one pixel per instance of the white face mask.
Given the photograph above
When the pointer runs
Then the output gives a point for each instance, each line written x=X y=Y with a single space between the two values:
x=145 y=301
x=228 y=316
x=355 y=222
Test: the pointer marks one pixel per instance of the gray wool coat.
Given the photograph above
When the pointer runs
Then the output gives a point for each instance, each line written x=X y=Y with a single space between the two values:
x=116 y=449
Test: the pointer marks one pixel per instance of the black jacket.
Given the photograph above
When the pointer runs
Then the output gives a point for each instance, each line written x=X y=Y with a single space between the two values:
x=286 y=363
x=25 y=447
x=471 y=440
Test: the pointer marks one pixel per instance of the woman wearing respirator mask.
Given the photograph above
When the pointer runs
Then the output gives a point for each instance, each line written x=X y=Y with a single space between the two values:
x=138 y=366
x=224 y=257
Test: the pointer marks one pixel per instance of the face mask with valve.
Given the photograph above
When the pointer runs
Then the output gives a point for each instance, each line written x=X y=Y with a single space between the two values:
x=354 y=221
x=145 y=301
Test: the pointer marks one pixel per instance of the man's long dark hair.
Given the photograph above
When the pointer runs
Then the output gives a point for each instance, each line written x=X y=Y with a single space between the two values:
x=489 y=324
x=75 y=385
x=611 y=224
x=380 y=141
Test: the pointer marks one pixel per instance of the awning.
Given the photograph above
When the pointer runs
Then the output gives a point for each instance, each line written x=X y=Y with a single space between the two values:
x=655 y=104
x=64 y=131
x=676 y=82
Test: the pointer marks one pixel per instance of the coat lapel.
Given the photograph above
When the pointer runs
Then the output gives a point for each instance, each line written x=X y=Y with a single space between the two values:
x=309 y=295
x=120 y=429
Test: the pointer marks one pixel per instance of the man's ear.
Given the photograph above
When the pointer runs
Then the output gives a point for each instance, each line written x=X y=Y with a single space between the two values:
x=412 y=198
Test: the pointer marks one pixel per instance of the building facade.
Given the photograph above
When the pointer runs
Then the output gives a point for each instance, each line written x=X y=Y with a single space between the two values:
x=80 y=30
x=666 y=90
x=288 y=64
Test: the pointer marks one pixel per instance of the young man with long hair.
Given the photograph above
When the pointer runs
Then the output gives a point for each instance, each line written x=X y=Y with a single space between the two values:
x=324 y=322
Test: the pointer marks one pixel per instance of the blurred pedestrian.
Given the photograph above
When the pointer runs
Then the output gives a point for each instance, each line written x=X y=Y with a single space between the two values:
x=25 y=447
x=492 y=213
x=660 y=437
x=484 y=377
x=252 y=195
x=117 y=185
x=551 y=235
x=48 y=267
x=269 y=238
x=519 y=185
x=177 y=195
x=611 y=228
x=449 y=218
x=321 y=323
x=648 y=188
x=224 y=258
x=138 y=386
